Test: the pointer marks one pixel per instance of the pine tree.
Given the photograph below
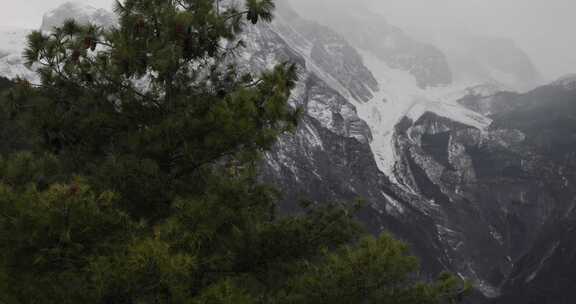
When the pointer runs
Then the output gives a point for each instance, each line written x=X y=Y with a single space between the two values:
x=14 y=134
x=142 y=184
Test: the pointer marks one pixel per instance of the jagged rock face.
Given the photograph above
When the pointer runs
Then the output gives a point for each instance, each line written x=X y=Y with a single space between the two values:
x=342 y=61
x=470 y=177
x=327 y=51
x=545 y=273
x=81 y=12
x=267 y=45
x=503 y=195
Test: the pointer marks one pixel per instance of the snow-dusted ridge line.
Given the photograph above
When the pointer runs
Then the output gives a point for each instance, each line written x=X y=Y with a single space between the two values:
x=305 y=51
x=398 y=96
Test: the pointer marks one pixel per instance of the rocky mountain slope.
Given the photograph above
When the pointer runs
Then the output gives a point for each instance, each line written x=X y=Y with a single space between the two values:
x=523 y=187
x=545 y=271
x=476 y=180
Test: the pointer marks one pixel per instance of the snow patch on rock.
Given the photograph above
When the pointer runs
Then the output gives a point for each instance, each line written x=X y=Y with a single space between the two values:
x=400 y=96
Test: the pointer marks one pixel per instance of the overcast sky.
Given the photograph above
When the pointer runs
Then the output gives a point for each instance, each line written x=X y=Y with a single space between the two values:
x=543 y=28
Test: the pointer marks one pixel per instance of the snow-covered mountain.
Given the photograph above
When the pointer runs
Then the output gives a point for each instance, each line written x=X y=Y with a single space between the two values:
x=12 y=43
x=13 y=40
x=453 y=168
x=79 y=11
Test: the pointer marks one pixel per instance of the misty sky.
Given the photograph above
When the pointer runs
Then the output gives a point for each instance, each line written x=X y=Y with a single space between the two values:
x=543 y=28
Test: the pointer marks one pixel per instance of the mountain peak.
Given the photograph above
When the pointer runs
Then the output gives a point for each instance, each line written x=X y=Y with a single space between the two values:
x=81 y=12
x=76 y=5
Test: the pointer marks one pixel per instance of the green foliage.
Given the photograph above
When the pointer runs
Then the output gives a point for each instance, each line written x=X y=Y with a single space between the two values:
x=20 y=169
x=259 y=10
x=197 y=107
x=5 y=83
x=48 y=237
x=14 y=135
x=138 y=179
x=375 y=270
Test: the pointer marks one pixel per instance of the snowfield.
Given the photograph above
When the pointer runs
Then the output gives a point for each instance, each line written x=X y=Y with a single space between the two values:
x=400 y=96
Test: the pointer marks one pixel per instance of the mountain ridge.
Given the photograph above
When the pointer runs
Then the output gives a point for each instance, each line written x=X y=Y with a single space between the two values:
x=440 y=167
